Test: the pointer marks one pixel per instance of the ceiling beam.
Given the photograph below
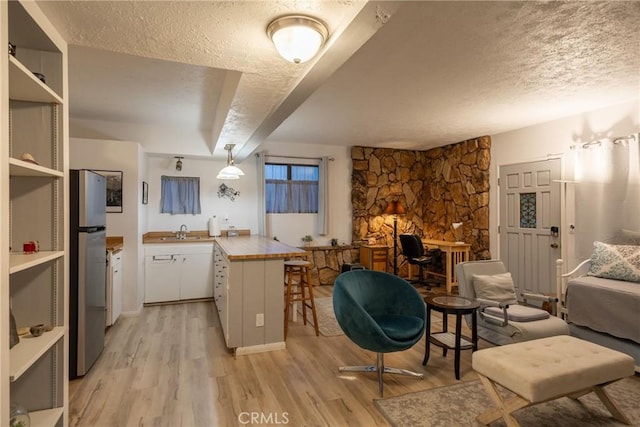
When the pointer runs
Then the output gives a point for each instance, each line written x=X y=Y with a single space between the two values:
x=369 y=20
x=228 y=92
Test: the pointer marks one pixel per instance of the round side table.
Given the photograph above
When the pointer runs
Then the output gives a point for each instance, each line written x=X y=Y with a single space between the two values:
x=459 y=306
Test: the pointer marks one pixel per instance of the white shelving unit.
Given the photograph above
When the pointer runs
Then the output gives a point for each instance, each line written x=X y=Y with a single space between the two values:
x=20 y=261
x=34 y=287
x=30 y=349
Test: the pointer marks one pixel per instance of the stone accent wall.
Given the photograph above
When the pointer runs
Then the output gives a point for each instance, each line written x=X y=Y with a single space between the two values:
x=327 y=261
x=437 y=188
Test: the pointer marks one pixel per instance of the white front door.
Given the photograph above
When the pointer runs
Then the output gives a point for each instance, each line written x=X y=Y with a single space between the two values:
x=529 y=221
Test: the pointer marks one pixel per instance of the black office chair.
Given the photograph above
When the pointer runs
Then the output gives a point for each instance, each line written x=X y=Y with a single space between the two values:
x=413 y=250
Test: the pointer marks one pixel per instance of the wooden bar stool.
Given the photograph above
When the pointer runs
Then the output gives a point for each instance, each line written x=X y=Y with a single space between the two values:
x=297 y=275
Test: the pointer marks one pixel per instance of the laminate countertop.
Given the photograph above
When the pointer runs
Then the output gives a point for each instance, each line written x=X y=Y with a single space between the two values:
x=242 y=247
x=257 y=247
x=115 y=244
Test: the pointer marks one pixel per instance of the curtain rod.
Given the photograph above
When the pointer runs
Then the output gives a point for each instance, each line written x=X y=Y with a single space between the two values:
x=616 y=140
x=331 y=159
x=624 y=138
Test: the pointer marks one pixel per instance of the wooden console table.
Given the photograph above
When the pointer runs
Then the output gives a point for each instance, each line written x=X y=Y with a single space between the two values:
x=455 y=253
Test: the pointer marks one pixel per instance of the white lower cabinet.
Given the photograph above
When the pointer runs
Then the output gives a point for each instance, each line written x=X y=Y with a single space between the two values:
x=243 y=289
x=178 y=272
x=114 y=287
x=221 y=289
x=196 y=276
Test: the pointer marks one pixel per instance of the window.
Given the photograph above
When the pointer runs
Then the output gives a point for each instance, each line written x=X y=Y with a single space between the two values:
x=528 y=210
x=180 y=195
x=291 y=188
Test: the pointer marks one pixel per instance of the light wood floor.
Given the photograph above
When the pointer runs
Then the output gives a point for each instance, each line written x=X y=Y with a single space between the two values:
x=170 y=367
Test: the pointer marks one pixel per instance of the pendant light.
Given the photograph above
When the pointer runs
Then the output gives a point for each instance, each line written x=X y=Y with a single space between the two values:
x=297 y=38
x=230 y=171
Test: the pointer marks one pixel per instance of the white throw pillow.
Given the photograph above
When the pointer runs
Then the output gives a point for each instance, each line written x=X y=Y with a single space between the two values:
x=618 y=262
x=495 y=287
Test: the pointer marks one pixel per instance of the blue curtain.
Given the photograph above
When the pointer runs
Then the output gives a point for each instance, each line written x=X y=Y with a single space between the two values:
x=180 y=195
x=291 y=188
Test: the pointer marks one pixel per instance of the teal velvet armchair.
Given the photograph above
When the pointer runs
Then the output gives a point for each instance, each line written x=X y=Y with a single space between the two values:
x=379 y=312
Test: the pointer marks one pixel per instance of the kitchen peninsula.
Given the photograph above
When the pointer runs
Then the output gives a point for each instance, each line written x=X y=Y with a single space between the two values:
x=248 y=278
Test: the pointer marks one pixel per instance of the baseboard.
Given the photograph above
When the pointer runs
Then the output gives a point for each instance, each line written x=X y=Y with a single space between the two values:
x=133 y=313
x=241 y=351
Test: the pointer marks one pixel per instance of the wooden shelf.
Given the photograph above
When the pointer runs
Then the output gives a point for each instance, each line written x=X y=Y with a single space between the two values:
x=20 y=261
x=22 y=168
x=30 y=349
x=24 y=86
x=46 y=418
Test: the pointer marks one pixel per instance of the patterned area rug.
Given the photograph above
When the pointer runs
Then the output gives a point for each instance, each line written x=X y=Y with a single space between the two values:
x=459 y=404
x=327 y=323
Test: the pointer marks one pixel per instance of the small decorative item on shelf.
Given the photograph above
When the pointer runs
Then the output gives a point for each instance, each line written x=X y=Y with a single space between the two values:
x=37 y=330
x=307 y=240
x=30 y=247
x=334 y=242
x=27 y=157
x=40 y=76
x=13 y=333
x=19 y=416
x=12 y=49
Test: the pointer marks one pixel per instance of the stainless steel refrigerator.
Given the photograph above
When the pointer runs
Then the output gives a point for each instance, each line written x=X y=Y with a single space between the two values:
x=87 y=278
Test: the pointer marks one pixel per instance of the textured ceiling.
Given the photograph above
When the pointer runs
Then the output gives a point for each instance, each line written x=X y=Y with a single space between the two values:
x=441 y=72
x=394 y=74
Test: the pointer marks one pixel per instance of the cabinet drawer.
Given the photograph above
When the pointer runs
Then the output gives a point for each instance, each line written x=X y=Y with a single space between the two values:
x=379 y=256
x=115 y=258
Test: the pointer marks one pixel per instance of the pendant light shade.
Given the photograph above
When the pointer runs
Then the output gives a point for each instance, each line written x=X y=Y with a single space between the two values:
x=297 y=38
x=230 y=171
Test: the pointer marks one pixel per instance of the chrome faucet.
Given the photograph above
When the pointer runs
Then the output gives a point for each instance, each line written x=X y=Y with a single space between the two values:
x=182 y=234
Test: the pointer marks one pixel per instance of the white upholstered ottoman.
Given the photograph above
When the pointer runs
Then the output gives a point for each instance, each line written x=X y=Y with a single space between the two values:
x=546 y=369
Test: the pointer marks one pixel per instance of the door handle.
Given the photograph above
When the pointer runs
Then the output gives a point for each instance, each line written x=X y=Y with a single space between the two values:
x=554 y=245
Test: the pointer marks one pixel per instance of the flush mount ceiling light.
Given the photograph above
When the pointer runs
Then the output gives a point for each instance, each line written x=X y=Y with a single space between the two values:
x=230 y=171
x=297 y=38
x=179 y=163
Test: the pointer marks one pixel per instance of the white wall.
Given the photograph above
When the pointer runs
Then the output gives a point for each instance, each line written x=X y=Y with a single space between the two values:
x=555 y=138
x=242 y=213
x=290 y=228
x=142 y=223
x=122 y=156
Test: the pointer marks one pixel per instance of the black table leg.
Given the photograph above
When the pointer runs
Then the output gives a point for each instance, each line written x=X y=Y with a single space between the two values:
x=474 y=331
x=457 y=349
x=445 y=328
x=427 y=338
